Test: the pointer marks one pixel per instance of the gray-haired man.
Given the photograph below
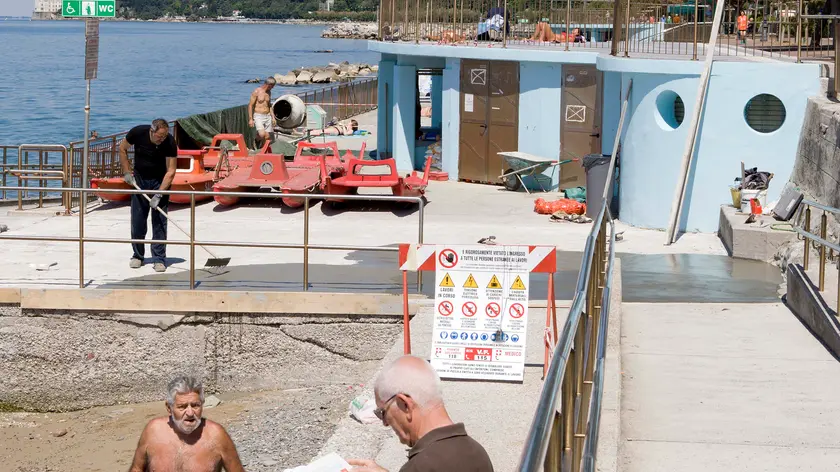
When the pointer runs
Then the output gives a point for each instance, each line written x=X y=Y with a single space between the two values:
x=409 y=400
x=184 y=440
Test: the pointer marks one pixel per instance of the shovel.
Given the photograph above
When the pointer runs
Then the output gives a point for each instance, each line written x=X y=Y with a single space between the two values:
x=214 y=261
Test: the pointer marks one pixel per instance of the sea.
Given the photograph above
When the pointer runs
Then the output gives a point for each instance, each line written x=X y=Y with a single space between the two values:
x=147 y=70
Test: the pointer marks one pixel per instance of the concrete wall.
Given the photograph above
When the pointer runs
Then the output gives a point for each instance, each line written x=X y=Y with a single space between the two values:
x=62 y=359
x=817 y=168
x=652 y=149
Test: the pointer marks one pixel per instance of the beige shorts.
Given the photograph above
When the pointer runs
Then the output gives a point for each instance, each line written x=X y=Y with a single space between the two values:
x=263 y=123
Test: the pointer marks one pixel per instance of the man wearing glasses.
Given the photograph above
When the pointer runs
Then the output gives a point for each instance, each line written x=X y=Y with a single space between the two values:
x=409 y=400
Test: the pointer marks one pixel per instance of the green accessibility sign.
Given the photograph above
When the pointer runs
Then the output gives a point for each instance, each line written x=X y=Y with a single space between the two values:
x=88 y=8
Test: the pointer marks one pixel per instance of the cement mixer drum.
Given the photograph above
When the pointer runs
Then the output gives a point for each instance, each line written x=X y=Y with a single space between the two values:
x=289 y=111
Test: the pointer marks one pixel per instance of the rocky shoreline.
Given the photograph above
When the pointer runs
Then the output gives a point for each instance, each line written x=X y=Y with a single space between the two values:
x=351 y=30
x=331 y=73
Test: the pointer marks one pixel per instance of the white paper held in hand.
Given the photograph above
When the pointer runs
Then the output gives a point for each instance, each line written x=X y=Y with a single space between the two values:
x=332 y=462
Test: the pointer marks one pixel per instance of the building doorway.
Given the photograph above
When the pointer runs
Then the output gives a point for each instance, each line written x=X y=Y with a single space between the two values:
x=489 y=118
x=580 y=120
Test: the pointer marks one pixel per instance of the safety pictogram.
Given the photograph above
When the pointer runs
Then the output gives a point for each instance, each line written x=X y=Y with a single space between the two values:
x=447 y=281
x=517 y=284
x=516 y=311
x=494 y=283
x=469 y=309
x=492 y=309
x=448 y=258
x=445 y=308
x=470 y=283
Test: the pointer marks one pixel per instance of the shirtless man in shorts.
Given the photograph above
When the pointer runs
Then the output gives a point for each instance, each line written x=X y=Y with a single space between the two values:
x=184 y=441
x=259 y=110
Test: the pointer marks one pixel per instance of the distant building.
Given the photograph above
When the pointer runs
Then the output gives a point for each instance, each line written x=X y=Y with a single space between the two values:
x=46 y=9
x=326 y=5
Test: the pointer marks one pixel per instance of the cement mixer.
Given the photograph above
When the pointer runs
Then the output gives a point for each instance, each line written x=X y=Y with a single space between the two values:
x=289 y=111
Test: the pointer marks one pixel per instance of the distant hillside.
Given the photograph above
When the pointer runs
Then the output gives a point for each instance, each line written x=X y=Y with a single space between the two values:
x=267 y=9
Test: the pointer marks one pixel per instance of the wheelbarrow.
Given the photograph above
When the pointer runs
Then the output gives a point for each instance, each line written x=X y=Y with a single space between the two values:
x=521 y=164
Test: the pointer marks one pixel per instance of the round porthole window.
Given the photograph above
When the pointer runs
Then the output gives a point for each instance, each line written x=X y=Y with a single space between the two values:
x=670 y=109
x=765 y=113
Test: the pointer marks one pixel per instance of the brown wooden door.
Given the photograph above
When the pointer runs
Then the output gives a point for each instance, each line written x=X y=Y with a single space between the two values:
x=489 y=118
x=580 y=128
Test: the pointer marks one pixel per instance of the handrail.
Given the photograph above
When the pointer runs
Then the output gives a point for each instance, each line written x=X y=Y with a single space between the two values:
x=821 y=240
x=827 y=208
x=575 y=375
x=192 y=242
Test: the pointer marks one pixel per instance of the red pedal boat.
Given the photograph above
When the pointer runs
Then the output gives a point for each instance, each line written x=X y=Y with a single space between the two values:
x=412 y=185
x=189 y=176
x=305 y=174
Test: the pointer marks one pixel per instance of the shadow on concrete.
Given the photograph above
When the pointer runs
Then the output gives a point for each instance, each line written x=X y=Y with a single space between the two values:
x=646 y=278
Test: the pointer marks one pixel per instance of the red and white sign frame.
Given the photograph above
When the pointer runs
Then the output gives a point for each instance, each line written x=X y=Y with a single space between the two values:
x=541 y=259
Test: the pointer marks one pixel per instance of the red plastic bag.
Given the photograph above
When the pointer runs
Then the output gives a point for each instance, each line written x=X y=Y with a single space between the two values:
x=566 y=205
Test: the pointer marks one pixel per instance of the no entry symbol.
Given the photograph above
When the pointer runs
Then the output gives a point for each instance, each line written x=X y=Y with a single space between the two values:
x=516 y=310
x=445 y=308
x=469 y=309
x=493 y=309
x=448 y=258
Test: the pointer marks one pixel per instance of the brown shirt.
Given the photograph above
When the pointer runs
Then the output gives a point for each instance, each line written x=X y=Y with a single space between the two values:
x=447 y=449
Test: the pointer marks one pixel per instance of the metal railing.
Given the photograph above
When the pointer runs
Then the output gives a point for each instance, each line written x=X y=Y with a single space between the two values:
x=345 y=100
x=781 y=29
x=28 y=160
x=564 y=431
x=192 y=242
x=820 y=242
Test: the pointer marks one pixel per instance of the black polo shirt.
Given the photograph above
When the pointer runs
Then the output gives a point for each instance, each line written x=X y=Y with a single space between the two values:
x=447 y=449
x=150 y=158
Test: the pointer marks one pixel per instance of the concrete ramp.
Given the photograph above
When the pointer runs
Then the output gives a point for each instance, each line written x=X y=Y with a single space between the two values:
x=726 y=387
x=497 y=415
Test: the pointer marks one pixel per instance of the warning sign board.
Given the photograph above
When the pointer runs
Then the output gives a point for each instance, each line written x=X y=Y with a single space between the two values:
x=481 y=312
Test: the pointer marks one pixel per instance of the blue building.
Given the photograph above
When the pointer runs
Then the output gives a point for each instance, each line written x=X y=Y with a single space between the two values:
x=564 y=101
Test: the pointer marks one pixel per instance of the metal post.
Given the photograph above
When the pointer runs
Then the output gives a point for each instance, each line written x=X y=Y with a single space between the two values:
x=627 y=30
x=807 y=242
x=799 y=33
x=82 y=244
x=85 y=153
x=568 y=21
x=836 y=56
x=696 y=13
x=306 y=244
x=417 y=22
x=192 y=241
x=421 y=216
x=616 y=33
x=823 y=224
x=504 y=27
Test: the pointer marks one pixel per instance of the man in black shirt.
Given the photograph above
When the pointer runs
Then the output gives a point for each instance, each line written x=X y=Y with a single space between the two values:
x=409 y=400
x=155 y=159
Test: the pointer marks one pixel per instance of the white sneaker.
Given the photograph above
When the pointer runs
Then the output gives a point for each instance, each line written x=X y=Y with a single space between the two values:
x=135 y=263
x=160 y=267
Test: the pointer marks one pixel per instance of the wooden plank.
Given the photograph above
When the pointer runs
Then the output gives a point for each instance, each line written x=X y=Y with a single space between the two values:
x=181 y=301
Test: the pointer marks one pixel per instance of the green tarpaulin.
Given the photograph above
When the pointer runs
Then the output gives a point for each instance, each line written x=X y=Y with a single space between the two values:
x=234 y=120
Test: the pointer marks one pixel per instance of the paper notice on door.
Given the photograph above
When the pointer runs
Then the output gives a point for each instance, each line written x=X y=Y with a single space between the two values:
x=468 y=102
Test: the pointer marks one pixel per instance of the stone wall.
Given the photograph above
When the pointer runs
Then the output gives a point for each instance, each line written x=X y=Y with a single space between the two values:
x=59 y=360
x=817 y=170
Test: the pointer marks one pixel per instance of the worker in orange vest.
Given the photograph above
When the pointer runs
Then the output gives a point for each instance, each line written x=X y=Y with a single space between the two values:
x=743 y=23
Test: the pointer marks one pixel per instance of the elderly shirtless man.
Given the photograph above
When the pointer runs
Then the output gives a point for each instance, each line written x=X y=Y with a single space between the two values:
x=184 y=441
x=259 y=110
